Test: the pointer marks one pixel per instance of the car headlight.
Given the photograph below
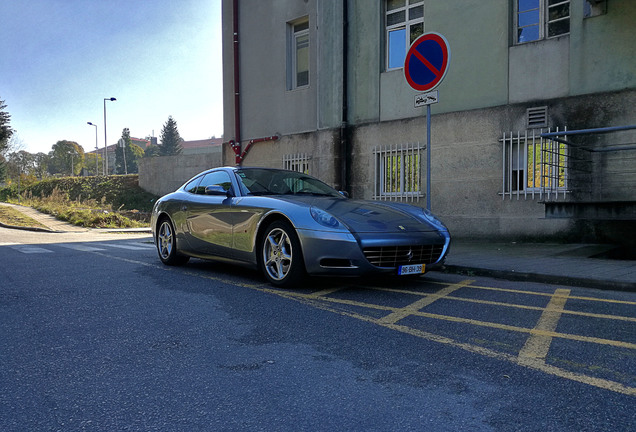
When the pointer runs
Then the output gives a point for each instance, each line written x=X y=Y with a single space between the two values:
x=433 y=219
x=324 y=218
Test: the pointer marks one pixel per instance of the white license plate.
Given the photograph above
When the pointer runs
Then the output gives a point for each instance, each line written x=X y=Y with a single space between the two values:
x=411 y=269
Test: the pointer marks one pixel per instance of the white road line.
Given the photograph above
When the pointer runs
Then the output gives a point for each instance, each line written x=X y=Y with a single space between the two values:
x=128 y=247
x=26 y=249
x=82 y=247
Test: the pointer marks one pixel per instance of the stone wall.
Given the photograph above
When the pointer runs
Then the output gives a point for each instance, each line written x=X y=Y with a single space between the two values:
x=163 y=174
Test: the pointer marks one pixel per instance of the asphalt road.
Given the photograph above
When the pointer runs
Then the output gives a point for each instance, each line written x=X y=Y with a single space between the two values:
x=98 y=335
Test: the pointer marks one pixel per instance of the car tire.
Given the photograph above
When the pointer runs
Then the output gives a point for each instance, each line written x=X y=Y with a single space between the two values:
x=281 y=258
x=167 y=245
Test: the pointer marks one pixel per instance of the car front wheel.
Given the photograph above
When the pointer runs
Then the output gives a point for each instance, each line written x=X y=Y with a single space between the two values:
x=167 y=245
x=281 y=256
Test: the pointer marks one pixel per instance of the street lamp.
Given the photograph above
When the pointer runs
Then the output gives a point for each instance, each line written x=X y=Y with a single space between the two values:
x=106 y=139
x=96 y=148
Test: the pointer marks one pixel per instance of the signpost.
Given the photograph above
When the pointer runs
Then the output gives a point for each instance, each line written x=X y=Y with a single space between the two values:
x=425 y=67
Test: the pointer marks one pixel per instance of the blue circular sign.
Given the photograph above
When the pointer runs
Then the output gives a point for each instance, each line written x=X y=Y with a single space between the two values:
x=427 y=61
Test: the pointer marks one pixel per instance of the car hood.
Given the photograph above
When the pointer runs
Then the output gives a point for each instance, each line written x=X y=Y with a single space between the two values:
x=371 y=216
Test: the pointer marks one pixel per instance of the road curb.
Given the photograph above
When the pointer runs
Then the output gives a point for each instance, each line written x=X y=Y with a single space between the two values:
x=36 y=229
x=541 y=278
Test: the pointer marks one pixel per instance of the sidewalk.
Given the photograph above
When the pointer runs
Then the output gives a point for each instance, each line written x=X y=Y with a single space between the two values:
x=566 y=264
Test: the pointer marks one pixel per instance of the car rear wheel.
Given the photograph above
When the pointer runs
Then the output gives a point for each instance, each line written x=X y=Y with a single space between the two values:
x=167 y=244
x=281 y=256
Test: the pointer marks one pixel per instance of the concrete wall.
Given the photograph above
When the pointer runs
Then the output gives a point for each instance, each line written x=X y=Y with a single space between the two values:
x=587 y=79
x=163 y=174
x=322 y=147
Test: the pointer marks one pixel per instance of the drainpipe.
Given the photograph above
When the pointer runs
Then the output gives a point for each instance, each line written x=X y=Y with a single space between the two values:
x=345 y=152
x=236 y=143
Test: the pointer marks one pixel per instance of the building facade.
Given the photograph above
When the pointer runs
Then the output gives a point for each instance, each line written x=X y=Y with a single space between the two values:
x=319 y=86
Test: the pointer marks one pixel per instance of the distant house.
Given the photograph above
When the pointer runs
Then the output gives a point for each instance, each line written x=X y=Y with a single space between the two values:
x=202 y=146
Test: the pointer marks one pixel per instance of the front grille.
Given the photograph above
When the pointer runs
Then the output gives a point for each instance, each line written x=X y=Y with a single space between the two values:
x=393 y=256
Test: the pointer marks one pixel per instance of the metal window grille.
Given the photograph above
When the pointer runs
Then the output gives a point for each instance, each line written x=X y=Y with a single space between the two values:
x=297 y=162
x=398 y=172
x=534 y=166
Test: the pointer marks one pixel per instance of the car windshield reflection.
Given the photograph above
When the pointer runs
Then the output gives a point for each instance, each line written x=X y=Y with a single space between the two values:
x=262 y=181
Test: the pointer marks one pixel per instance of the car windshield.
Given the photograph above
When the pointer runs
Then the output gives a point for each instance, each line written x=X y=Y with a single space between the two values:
x=261 y=181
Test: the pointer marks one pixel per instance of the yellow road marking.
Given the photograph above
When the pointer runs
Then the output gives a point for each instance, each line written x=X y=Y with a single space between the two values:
x=323 y=302
x=525 y=362
x=538 y=344
x=625 y=302
x=325 y=292
x=401 y=313
x=518 y=306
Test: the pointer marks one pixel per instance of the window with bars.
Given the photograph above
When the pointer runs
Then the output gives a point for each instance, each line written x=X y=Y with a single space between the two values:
x=297 y=162
x=541 y=19
x=404 y=21
x=398 y=172
x=533 y=166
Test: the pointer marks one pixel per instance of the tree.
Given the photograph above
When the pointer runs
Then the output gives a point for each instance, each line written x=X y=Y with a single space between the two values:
x=129 y=154
x=67 y=157
x=5 y=129
x=170 y=139
x=5 y=135
x=41 y=165
x=91 y=164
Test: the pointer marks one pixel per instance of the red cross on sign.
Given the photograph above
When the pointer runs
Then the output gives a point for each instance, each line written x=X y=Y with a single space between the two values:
x=426 y=62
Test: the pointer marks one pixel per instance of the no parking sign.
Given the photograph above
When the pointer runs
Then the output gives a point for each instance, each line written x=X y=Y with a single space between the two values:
x=425 y=67
x=427 y=61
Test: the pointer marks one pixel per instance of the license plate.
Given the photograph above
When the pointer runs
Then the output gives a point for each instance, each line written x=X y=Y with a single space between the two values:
x=411 y=269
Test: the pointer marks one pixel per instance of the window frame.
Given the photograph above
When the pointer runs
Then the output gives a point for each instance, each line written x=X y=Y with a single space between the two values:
x=544 y=22
x=402 y=180
x=404 y=25
x=294 y=35
x=534 y=166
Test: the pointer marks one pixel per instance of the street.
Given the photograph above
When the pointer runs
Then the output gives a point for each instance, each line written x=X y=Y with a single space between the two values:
x=98 y=335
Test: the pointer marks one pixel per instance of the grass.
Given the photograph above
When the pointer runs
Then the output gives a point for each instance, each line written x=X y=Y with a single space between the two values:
x=13 y=217
x=91 y=202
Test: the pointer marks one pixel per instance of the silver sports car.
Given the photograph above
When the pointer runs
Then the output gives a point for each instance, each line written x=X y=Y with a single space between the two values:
x=289 y=224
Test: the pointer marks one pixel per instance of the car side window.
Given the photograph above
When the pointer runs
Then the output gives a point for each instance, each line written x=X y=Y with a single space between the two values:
x=215 y=178
x=192 y=185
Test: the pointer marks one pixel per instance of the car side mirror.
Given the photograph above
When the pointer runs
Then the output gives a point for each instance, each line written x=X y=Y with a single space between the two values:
x=344 y=194
x=217 y=191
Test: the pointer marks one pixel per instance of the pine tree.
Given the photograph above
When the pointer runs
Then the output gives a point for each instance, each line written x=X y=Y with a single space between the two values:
x=5 y=129
x=170 y=139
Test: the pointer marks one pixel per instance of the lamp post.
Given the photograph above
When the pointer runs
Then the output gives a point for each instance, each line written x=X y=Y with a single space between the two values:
x=105 y=138
x=96 y=149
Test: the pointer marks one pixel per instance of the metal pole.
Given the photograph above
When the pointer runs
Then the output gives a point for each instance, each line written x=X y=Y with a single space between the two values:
x=428 y=157
x=105 y=138
x=96 y=149
x=105 y=161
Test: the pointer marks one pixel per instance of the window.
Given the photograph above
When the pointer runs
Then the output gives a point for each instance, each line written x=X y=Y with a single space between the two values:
x=215 y=178
x=298 y=75
x=192 y=185
x=533 y=165
x=404 y=23
x=398 y=173
x=297 y=162
x=541 y=19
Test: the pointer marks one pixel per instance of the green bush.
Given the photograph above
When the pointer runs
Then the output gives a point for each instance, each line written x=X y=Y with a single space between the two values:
x=119 y=192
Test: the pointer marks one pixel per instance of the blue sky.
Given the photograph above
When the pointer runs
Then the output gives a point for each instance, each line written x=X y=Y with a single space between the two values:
x=61 y=58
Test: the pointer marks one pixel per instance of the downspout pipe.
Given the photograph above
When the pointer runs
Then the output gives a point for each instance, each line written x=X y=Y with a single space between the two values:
x=345 y=152
x=236 y=144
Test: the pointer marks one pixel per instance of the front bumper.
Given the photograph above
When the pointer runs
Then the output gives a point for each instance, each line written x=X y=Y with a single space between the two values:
x=341 y=254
